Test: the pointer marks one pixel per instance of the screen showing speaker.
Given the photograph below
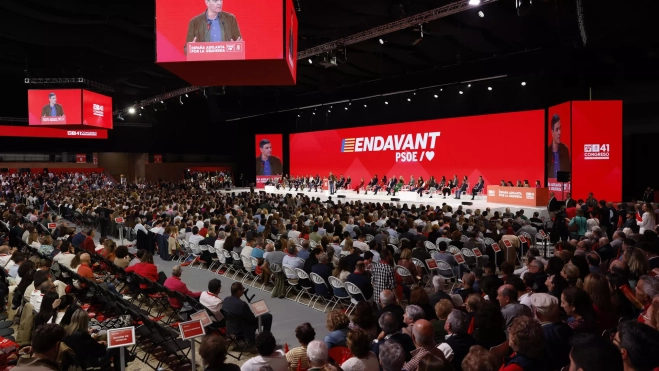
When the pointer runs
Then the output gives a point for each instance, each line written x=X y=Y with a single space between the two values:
x=212 y=30
x=559 y=127
x=465 y=146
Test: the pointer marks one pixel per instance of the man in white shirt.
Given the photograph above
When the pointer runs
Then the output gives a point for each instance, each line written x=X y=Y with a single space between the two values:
x=360 y=244
x=139 y=226
x=219 y=243
x=196 y=237
x=294 y=232
x=4 y=255
x=247 y=252
x=268 y=355
x=211 y=298
x=36 y=297
x=292 y=261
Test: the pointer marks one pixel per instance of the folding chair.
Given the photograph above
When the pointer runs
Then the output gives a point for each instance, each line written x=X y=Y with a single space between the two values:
x=233 y=335
x=303 y=277
x=443 y=266
x=338 y=284
x=292 y=282
x=354 y=290
x=318 y=280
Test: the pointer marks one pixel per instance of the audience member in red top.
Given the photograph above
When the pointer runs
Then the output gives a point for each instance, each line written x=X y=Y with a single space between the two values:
x=84 y=270
x=145 y=268
x=174 y=283
x=88 y=244
x=204 y=231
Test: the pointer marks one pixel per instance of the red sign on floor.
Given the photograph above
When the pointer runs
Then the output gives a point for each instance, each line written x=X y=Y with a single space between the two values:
x=191 y=329
x=121 y=337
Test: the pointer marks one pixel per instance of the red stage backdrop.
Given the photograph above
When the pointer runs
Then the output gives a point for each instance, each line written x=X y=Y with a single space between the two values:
x=597 y=149
x=559 y=127
x=44 y=132
x=67 y=103
x=96 y=110
x=268 y=145
x=259 y=22
x=506 y=146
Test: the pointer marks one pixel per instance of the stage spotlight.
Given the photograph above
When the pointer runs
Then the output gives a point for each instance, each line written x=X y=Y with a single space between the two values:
x=298 y=115
x=346 y=108
x=441 y=89
x=329 y=110
x=409 y=100
x=186 y=95
x=481 y=14
x=461 y=92
x=131 y=110
x=523 y=83
x=523 y=7
x=310 y=61
x=474 y=2
x=314 y=113
x=489 y=88
x=162 y=102
x=469 y=86
x=364 y=106
x=386 y=102
x=381 y=41
x=436 y=96
x=140 y=114
x=141 y=107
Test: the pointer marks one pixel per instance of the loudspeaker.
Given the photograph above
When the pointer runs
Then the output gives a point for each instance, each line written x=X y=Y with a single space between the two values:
x=563 y=176
x=395 y=199
x=467 y=203
x=341 y=196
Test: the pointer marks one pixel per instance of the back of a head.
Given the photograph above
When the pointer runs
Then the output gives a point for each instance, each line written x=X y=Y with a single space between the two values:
x=392 y=356
x=317 y=353
x=459 y=321
x=388 y=323
x=40 y=277
x=46 y=337
x=639 y=341
x=265 y=343
x=213 y=350
x=594 y=353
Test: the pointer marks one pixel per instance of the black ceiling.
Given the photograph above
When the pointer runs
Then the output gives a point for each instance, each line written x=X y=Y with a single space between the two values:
x=113 y=43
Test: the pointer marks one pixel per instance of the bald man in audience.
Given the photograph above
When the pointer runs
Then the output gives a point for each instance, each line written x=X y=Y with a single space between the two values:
x=424 y=340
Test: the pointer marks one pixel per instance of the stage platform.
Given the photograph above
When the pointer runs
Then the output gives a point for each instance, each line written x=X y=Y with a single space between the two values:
x=409 y=198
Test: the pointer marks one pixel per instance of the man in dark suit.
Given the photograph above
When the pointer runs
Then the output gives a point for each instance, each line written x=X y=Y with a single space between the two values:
x=362 y=280
x=246 y=322
x=559 y=154
x=52 y=108
x=478 y=187
x=388 y=304
x=324 y=271
x=391 y=187
x=103 y=218
x=267 y=164
x=553 y=204
x=463 y=188
x=213 y=25
x=569 y=201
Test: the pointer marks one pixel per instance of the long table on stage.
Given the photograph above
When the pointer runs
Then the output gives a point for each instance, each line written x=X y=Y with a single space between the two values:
x=518 y=195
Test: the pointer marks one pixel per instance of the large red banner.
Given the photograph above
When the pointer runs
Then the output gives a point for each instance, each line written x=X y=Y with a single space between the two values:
x=291 y=37
x=269 y=157
x=507 y=146
x=559 y=126
x=258 y=23
x=96 y=110
x=54 y=107
x=597 y=149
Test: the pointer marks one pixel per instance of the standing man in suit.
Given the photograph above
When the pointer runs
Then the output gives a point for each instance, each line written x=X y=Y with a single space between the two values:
x=213 y=25
x=247 y=323
x=103 y=218
x=267 y=164
x=478 y=187
x=52 y=108
x=569 y=201
x=332 y=183
x=553 y=204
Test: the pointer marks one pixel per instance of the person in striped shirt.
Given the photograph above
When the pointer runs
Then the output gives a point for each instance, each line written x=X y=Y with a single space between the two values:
x=305 y=334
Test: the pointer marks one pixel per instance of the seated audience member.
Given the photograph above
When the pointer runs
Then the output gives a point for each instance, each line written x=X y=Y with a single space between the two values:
x=634 y=340
x=442 y=309
x=364 y=319
x=438 y=283
x=266 y=345
x=211 y=298
x=392 y=356
x=526 y=339
x=388 y=304
x=138 y=257
x=391 y=332
x=45 y=349
x=362 y=281
x=557 y=333
x=578 y=305
x=324 y=271
x=467 y=286
x=478 y=359
x=422 y=335
x=412 y=314
x=36 y=296
x=145 y=269
x=88 y=348
x=121 y=259
x=337 y=324
x=89 y=244
x=458 y=341
x=489 y=325
x=174 y=283
x=362 y=358
x=594 y=353
x=317 y=353
x=297 y=357
x=510 y=307
x=246 y=323
x=213 y=353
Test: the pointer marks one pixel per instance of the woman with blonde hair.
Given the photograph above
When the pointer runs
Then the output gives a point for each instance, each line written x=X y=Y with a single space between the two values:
x=597 y=287
x=47 y=246
x=337 y=324
x=638 y=265
x=571 y=273
x=33 y=240
x=85 y=343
